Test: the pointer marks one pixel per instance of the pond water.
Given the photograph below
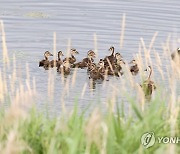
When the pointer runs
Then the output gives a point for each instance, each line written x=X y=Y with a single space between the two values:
x=30 y=25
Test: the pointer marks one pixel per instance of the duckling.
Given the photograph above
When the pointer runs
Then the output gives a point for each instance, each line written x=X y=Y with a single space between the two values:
x=95 y=74
x=119 y=66
x=111 y=58
x=148 y=85
x=56 y=63
x=71 y=59
x=45 y=62
x=116 y=67
x=86 y=61
x=64 y=68
x=134 y=69
x=176 y=57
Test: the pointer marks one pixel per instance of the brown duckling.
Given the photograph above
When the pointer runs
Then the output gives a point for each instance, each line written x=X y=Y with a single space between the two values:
x=86 y=61
x=176 y=57
x=111 y=58
x=95 y=74
x=45 y=62
x=148 y=85
x=116 y=67
x=56 y=63
x=134 y=69
x=64 y=68
x=71 y=59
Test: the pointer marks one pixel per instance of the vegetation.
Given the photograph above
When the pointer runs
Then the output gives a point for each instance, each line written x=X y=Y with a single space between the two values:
x=25 y=129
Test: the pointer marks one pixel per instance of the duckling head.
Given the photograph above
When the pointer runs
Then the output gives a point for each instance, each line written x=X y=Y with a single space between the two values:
x=148 y=69
x=66 y=64
x=60 y=53
x=74 y=51
x=111 y=48
x=47 y=54
x=118 y=56
x=133 y=62
x=91 y=53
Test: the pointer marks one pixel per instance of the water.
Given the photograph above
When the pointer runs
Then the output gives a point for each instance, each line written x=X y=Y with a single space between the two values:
x=30 y=26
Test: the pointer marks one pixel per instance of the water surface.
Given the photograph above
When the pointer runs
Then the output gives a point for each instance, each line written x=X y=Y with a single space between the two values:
x=30 y=25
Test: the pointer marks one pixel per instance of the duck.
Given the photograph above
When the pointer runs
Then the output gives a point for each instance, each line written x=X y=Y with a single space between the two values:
x=56 y=63
x=64 y=68
x=86 y=61
x=45 y=62
x=95 y=74
x=148 y=85
x=116 y=67
x=111 y=58
x=134 y=69
x=176 y=56
x=119 y=65
x=71 y=59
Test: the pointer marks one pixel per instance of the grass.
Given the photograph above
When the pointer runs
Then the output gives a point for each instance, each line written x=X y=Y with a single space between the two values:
x=96 y=133
x=25 y=129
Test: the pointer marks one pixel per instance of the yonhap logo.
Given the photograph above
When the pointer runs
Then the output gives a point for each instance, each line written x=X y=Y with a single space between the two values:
x=148 y=140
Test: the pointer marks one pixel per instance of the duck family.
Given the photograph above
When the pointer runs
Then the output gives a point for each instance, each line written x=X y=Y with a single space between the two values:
x=110 y=65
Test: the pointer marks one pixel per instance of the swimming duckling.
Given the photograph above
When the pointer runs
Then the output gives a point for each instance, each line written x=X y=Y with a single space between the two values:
x=111 y=58
x=45 y=62
x=95 y=74
x=119 y=67
x=71 y=59
x=86 y=61
x=56 y=63
x=148 y=85
x=116 y=67
x=64 y=68
x=134 y=69
x=176 y=57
